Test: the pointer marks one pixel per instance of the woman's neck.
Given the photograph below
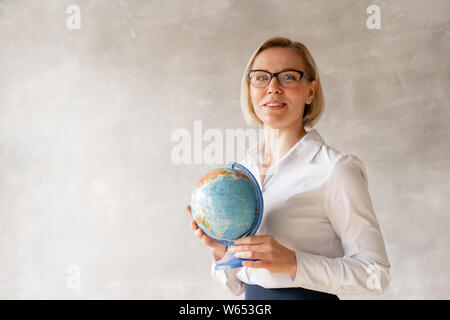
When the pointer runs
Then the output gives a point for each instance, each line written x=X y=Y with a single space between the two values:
x=277 y=142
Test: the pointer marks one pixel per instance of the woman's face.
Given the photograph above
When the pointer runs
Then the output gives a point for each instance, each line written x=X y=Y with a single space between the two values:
x=291 y=114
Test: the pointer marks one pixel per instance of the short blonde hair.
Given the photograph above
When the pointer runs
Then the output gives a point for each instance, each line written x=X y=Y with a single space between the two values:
x=313 y=111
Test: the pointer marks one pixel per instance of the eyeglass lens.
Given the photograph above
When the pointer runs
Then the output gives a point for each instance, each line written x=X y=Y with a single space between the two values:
x=287 y=79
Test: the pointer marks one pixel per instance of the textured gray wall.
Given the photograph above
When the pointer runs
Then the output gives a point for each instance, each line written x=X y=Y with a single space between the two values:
x=86 y=118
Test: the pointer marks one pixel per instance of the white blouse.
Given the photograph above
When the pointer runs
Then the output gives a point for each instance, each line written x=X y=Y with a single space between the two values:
x=317 y=203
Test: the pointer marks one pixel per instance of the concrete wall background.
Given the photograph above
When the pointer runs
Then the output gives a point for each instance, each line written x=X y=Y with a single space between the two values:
x=86 y=117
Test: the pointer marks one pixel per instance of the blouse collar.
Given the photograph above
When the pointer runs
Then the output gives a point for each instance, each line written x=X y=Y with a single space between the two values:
x=304 y=150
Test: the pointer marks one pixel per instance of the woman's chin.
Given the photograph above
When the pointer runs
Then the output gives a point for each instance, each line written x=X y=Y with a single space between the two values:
x=279 y=123
x=273 y=124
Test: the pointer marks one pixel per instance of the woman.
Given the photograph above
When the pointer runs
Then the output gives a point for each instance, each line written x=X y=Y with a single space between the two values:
x=319 y=236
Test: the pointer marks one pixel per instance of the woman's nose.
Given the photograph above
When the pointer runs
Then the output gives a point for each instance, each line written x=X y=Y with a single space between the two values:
x=273 y=86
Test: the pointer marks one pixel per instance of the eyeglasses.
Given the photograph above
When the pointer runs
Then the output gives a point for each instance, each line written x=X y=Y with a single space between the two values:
x=287 y=78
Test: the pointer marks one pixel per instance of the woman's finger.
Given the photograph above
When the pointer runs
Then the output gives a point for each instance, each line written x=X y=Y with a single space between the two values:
x=198 y=233
x=253 y=240
x=256 y=255
x=254 y=264
x=254 y=247
x=194 y=225
x=188 y=209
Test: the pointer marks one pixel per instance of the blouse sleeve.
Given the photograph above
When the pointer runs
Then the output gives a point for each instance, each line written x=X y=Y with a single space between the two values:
x=364 y=269
x=227 y=278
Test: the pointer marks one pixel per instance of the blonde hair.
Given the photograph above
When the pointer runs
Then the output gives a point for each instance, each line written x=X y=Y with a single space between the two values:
x=313 y=111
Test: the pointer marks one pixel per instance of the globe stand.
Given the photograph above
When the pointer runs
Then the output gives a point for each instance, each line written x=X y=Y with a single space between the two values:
x=235 y=262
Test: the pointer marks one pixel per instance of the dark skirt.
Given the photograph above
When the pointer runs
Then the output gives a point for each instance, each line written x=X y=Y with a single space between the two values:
x=255 y=292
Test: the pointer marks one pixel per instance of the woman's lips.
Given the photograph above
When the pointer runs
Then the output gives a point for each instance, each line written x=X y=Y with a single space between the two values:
x=278 y=107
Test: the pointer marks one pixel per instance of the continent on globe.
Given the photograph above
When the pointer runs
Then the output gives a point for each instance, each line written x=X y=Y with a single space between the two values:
x=224 y=204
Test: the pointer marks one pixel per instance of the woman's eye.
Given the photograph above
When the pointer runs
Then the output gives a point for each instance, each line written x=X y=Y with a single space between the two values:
x=288 y=77
x=261 y=78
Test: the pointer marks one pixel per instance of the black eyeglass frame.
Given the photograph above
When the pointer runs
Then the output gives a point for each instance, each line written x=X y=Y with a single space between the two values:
x=275 y=74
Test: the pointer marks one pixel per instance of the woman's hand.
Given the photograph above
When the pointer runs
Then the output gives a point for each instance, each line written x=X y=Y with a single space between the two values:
x=268 y=252
x=219 y=249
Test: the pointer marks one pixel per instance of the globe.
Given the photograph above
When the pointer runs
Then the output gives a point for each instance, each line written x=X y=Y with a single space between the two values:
x=224 y=204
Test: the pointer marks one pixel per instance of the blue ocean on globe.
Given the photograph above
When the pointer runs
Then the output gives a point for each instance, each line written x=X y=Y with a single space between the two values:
x=224 y=204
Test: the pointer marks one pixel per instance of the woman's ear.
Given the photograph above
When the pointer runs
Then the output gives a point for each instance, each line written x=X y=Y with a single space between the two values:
x=312 y=91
